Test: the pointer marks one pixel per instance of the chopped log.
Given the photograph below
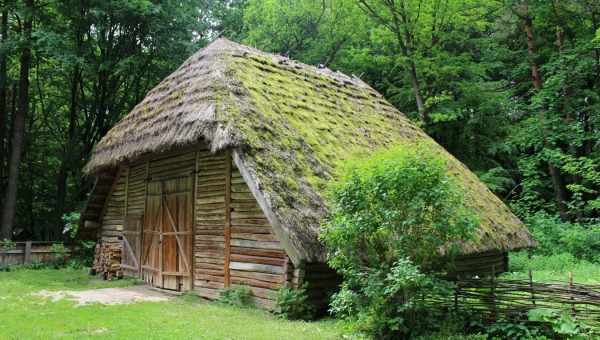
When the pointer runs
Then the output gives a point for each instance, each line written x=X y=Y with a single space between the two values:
x=107 y=260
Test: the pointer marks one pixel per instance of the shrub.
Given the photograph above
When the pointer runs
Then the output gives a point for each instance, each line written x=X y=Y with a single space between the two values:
x=7 y=244
x=60 y=255
x=71 y=224
x=237 y=296
x=391 y=217
x=556 y=236
x=83 y=253
x=293 y=304
x=558 y=324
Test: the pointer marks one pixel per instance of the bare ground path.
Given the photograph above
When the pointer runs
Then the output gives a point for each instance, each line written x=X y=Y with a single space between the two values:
x=107 y=296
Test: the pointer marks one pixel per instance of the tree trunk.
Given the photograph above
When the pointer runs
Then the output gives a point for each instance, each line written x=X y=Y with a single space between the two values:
x=535 y=71
x=18 y=133
x=3 y=111
x=66 y=161
x=414 y=80
x=558 y=186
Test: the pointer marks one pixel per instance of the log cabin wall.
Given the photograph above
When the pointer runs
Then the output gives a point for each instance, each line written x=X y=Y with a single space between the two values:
x=114 y=208
x=257 y=258
x=480 y=264
x=209 y=231
x=233 y=242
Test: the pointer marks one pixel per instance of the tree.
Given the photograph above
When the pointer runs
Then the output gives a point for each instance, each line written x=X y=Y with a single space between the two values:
x=18 y=136
x=3 y=87
x=402 y=19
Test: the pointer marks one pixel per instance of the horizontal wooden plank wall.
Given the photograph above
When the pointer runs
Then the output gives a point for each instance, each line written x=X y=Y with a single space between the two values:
x=209 y=239
x=481 y=264
x=257 y=257
x=114 y=209
x=136 y=189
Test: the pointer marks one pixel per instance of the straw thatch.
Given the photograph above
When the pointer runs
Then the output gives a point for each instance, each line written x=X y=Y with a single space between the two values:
x=290 y=126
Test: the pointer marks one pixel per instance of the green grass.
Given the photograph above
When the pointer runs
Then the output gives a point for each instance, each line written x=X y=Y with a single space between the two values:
x=24 y=316
x=553 y=268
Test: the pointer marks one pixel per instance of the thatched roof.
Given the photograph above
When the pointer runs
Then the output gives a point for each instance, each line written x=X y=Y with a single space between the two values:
x=290 y=126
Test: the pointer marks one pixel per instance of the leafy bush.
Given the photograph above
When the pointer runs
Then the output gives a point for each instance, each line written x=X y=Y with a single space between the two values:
x=60 y=255
x=7 y=244
x=237 y=296
x=34 y=265
x=556 y=237
x=71 y=224
x=83 y=253
x=558 y=323
x=392 y=215
x=293 y=304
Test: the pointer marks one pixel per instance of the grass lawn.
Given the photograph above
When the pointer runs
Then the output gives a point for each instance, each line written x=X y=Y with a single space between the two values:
x=553 y=268
x=24 y=316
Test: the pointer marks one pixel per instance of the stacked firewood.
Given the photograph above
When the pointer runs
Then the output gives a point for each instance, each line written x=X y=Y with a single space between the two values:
x=107 y=261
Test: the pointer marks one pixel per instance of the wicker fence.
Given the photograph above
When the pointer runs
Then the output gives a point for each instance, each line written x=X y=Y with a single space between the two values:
x=27 y=252
x=495 y=298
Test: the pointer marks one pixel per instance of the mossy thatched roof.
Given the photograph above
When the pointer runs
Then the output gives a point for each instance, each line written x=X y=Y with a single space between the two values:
x=290 y=126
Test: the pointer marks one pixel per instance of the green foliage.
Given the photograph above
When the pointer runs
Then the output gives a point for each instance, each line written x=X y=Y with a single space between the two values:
x=60 y=255
x=392 y=214
x=83 y=253
x=552 y=268
x=240 y=296
x=559 y=323
x=511 y=330
x=7 y=244
x=71 y=223
x=293 y=304
x=34 y=265
x=556 y=237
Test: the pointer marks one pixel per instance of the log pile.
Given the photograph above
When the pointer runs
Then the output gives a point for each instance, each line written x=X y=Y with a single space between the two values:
x=107 y=261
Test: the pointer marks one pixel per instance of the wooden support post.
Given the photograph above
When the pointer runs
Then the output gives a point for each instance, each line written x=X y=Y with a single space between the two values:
x=493 y=293
x=531 y=287
x=27 y=254
x=456 y=293
x=194 y=196
x=573 y=311
x=227 y=231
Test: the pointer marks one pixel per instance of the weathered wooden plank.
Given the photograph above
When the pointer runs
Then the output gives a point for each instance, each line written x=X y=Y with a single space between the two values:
x=258 y=276
x=208 y=293
x=255 y=244
x=255 y=283
x=250 y=230
x=209 y=284
x=254 y=237
x=258 y=252
x=256 y=267
x=258 y=259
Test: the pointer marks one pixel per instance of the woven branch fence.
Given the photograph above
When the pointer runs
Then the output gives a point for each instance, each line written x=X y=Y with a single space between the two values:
x=495 y=298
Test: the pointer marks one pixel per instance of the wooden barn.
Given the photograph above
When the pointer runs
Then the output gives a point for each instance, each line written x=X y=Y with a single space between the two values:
x=217 y=177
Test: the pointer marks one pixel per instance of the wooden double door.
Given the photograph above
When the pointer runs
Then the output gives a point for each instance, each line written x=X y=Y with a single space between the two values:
x=164 y=237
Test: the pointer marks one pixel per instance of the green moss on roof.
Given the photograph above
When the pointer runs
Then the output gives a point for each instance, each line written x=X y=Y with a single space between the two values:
x=293 y=125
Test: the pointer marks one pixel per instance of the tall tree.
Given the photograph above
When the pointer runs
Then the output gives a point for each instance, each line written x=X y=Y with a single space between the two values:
x=3 y=86
x=18 y=134
x=536 y=78
x=396 y=16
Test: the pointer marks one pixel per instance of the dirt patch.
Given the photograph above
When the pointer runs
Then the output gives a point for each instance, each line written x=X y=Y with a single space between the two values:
x=106 y=296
